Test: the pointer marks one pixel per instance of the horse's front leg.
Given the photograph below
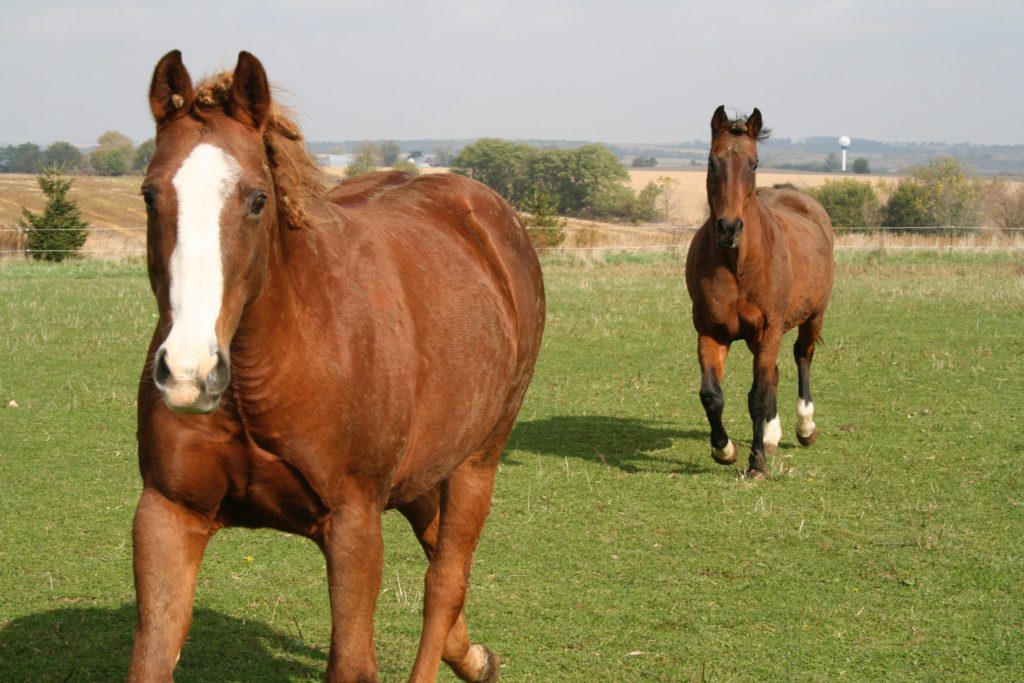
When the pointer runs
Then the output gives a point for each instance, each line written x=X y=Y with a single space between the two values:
x=354 y=548
x=169 y=540
x=711 y=354
x=761 y=402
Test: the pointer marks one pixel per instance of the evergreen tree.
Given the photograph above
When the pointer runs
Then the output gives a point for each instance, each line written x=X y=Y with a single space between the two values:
x=59 y=232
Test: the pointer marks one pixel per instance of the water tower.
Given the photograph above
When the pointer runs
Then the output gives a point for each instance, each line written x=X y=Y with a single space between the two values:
x=844 y=142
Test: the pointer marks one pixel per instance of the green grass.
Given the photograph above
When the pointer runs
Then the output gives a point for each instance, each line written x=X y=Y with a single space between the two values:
x=616 y=549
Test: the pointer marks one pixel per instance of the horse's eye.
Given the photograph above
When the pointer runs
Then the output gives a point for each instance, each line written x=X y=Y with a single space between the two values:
x=259 y=200
x=147 y=196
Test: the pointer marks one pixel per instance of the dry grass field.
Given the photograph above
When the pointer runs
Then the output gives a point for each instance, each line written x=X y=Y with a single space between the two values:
x=112 y=206
x=687 y=198
x=116 y=212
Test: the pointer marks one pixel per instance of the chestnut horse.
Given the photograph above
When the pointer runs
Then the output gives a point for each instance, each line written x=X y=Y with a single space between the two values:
x=759 y=266
x=320 y=358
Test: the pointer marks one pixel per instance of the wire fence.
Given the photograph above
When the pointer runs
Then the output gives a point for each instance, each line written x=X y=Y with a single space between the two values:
x=114 y=243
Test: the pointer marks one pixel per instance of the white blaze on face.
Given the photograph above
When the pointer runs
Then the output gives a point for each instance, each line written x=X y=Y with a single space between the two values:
x=804 y=418
x=203 y=184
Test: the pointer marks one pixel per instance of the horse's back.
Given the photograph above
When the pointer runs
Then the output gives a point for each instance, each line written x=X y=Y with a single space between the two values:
x=423 y=212
x=799 y=214
x=361 y=189
x=810 y=241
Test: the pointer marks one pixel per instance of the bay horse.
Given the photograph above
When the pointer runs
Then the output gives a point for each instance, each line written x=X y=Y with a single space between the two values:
x=320 y=357
x=760 y=265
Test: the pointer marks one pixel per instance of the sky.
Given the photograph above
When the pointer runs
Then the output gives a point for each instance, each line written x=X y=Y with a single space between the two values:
x=624 y=71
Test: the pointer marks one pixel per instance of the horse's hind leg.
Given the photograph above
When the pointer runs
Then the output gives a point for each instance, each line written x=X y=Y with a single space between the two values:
x=711 y=355
x=803 y=353
x=449 y=540
x=772 y=424
x=168 y=544
x=470 y=663
x=761 y=401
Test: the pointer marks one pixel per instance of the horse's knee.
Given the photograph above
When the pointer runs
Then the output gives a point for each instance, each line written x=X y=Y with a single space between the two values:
x=712 y=398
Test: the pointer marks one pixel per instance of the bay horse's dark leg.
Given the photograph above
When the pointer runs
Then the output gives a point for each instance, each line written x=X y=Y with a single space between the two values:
x=803 y=353
x=773 y=425
x=168 y=544
x=354 y=548
x=459 y=653
x=761 y=401
x=711 y=354
x=465 y=499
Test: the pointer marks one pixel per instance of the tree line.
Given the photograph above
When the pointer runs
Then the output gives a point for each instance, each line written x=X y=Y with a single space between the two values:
x=942 y=193
x=586 y=181
x=114 y=155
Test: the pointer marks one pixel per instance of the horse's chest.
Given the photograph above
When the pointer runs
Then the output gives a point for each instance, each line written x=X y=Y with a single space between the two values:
x=733 y=312
x=267 y=491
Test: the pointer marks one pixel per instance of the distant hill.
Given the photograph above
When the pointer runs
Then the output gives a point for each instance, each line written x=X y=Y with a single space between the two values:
x=804 y=154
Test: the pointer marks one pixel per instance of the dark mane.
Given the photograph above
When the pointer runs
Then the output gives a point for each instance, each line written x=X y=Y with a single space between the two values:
x=738 y=126
x=299 y=183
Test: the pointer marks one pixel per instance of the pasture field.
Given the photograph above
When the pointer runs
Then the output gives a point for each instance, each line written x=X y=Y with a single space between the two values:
x=616 y=549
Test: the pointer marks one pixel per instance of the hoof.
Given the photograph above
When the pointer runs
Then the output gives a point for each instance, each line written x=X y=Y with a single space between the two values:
x=809 y=439
x=725 y=456
x=490 y=666
x=771 y=449
x=755 y=475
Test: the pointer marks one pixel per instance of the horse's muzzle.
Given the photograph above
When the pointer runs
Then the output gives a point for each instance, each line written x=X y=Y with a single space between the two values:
x=191 y=386
x=727 y=232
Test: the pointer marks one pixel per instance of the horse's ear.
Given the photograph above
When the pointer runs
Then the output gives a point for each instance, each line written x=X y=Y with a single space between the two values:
x=754 y=123
x=171 y=88
x=720 y=121
x=250 y=91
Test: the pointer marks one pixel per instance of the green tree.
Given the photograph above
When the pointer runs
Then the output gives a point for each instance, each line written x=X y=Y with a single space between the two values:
x=500 y=165
x=364 y=162
x=389 y=153
x=407 y=166
x=577 y=178
x=63 y=155
x=940 y=193
x=620 y=203
x=849 y=203
x=861 y=165
x=143 y=155
x=25 y=158
x=832 y=162
x=547 y=229
x=113 y=155
x=644 y=162
x=59 y=232
x=109 y=161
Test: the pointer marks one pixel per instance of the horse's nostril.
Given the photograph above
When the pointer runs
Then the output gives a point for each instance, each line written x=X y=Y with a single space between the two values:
x=220 y=376
x=161 y=371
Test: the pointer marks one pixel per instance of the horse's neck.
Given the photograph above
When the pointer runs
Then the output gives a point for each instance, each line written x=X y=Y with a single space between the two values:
x=272 y=315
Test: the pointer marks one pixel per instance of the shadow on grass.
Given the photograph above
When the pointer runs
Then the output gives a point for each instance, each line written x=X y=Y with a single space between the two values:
x=94 y=644
x=626 y=444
